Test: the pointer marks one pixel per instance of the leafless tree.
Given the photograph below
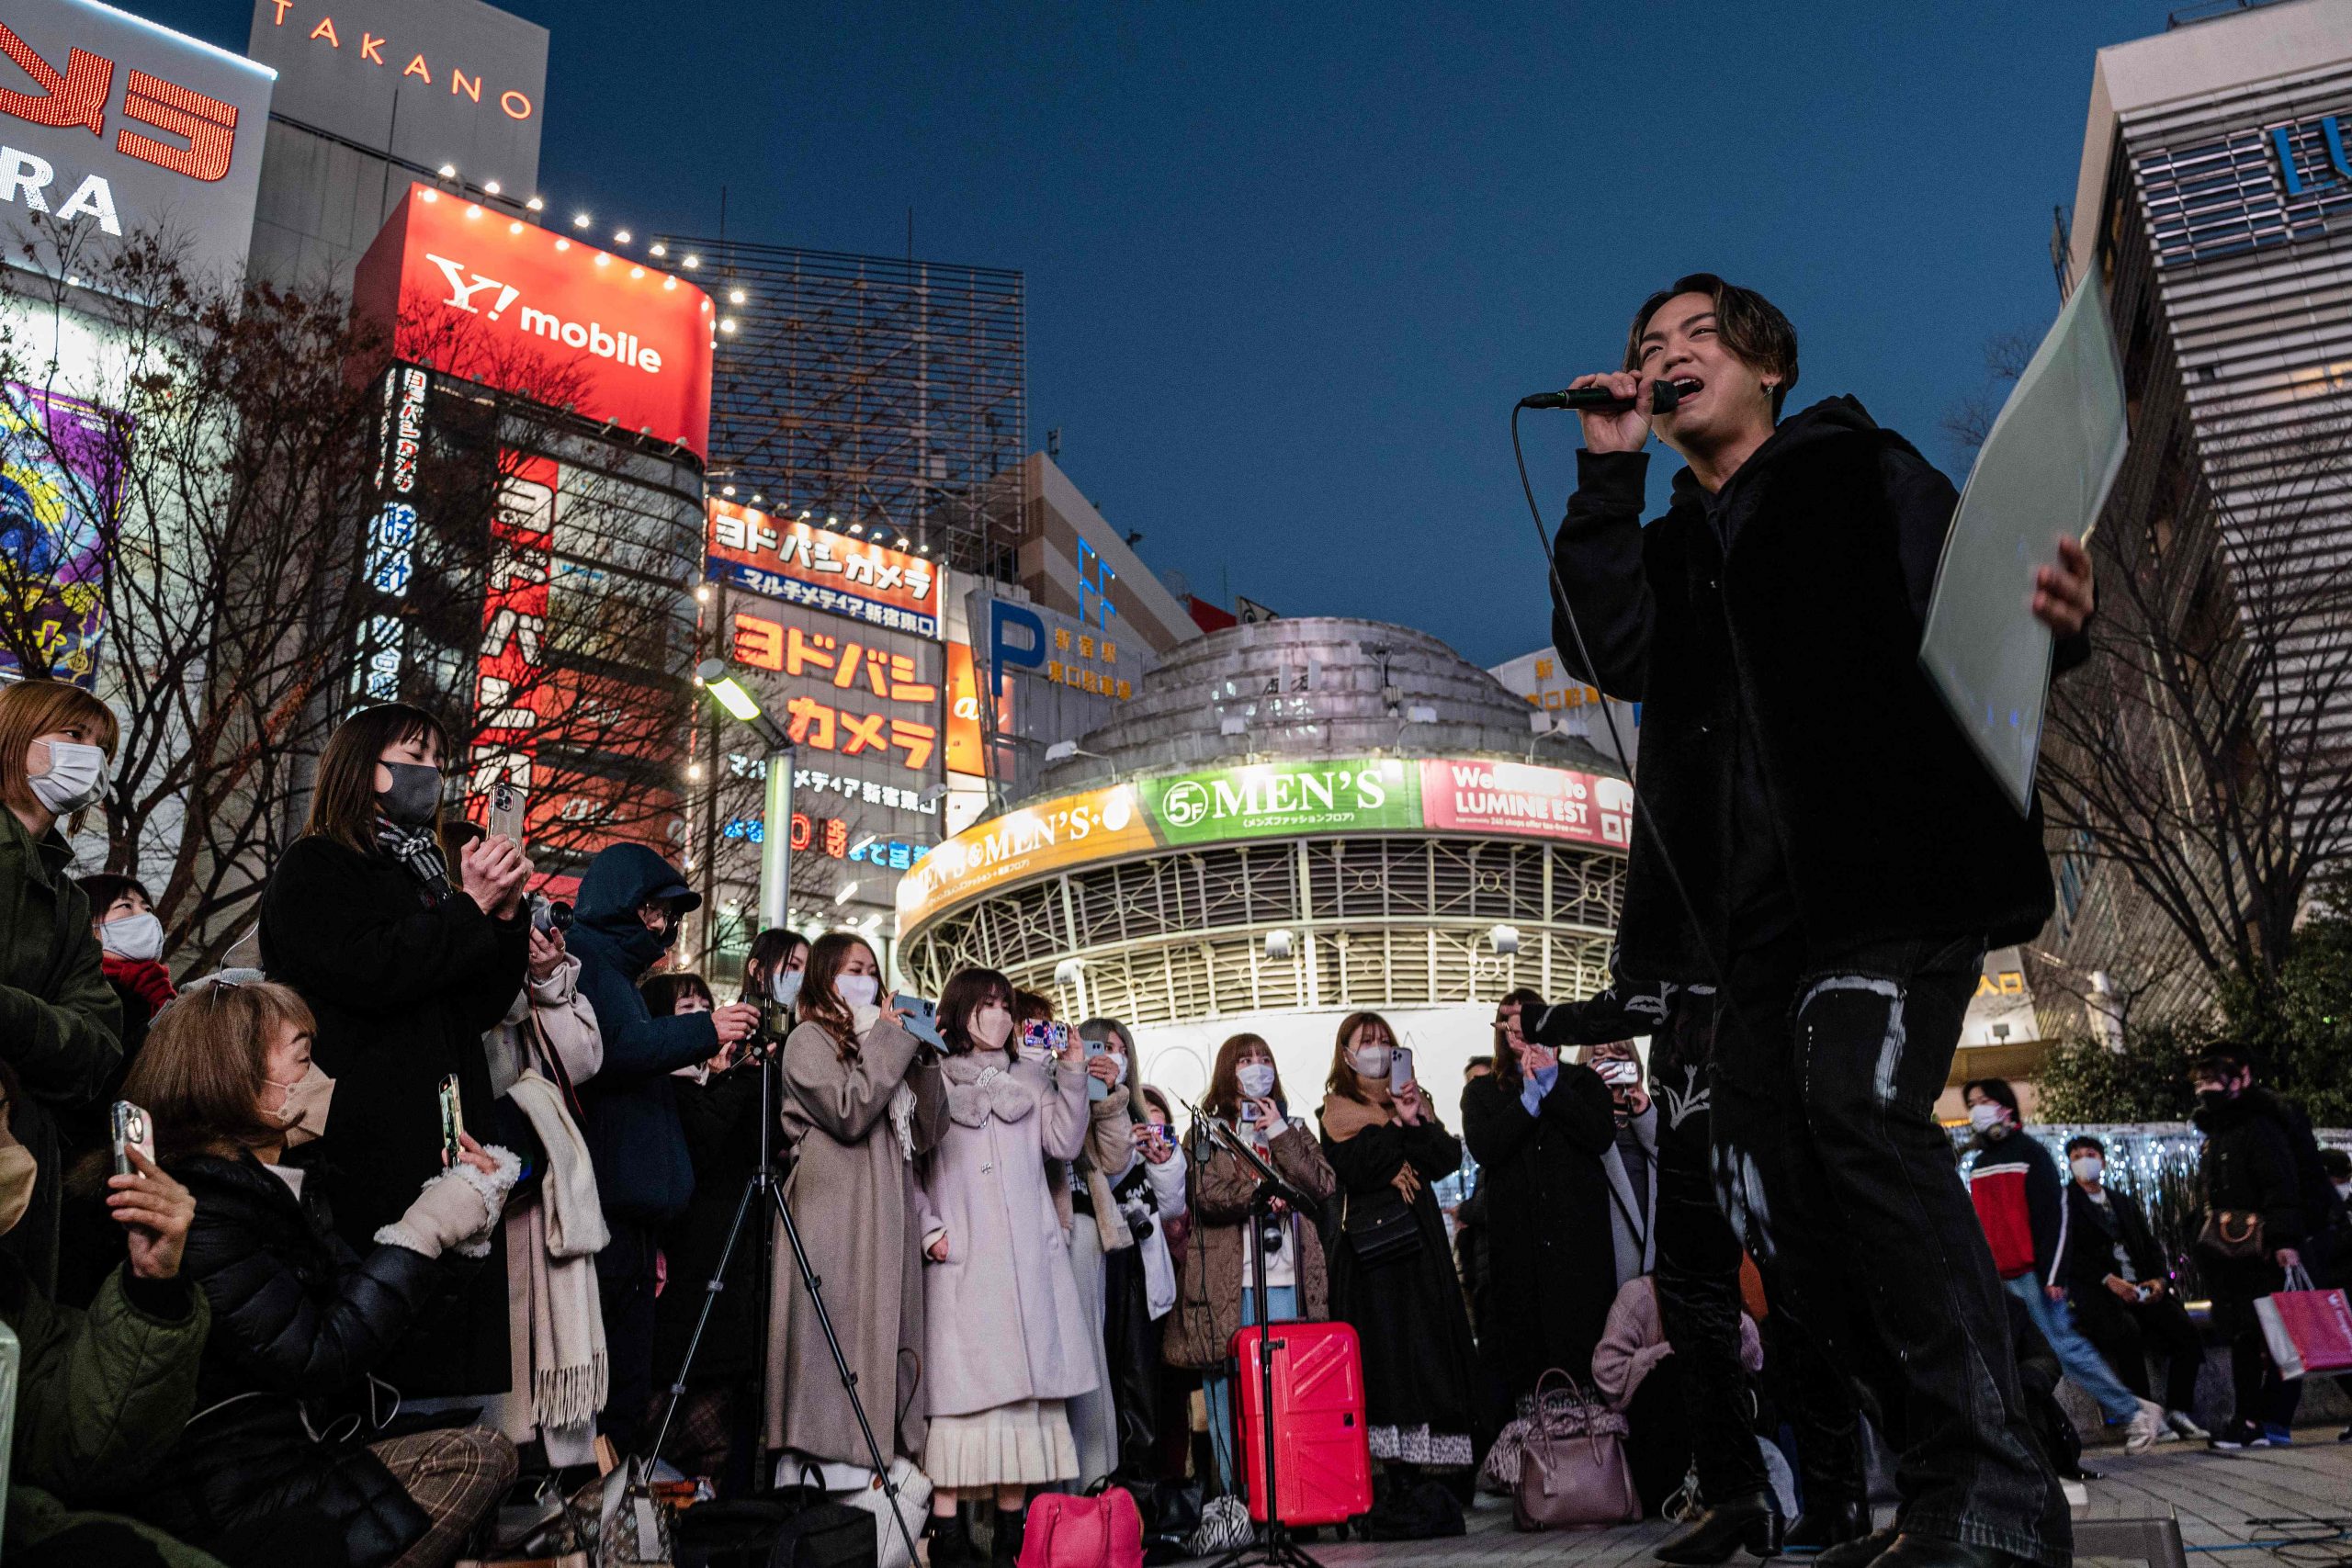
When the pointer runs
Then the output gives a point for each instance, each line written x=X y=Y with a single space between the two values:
x=1970 y=421
x=2203 y=750
x=194 y=470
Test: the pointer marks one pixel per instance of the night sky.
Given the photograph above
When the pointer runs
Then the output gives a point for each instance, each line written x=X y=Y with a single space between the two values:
x=1288 y=272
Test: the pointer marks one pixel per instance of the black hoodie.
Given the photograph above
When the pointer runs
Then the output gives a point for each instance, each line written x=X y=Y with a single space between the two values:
x=1797 y=764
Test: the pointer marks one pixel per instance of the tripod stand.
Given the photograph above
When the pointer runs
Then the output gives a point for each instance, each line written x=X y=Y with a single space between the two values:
x=762 y=1190
x=1278 y=1548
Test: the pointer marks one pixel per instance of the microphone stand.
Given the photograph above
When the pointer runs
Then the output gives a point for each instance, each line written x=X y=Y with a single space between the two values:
x=764 y=1191
x=1278 y=1548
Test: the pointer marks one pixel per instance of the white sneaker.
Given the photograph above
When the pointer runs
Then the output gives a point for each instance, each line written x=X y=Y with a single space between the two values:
x=2146 y=1426
x=2183 y=1425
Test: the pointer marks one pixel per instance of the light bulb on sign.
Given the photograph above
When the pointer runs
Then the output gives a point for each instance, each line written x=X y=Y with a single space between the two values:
x=535 y=205
x=489 y=187
x=621 y=236
x=692 y=260
x=726 y=489
x=727 y=324
x=474 y=211
x=448 y=170
x=563 y=244
x=429 y=197
x=515 y=227
x=669 y=283
x=702 y=595
x=736 y=297
x=657 y=249
x=604 y=260
x=637 y=272
x=580 y=220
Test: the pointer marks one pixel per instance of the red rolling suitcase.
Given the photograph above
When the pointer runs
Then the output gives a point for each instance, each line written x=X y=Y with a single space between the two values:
x=1322 y=1456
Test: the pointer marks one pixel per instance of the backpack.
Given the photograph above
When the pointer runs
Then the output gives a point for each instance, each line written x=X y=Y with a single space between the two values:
x=1083 y=1532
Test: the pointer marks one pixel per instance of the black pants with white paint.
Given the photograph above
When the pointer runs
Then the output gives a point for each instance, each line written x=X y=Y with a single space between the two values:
x=1831 y=1167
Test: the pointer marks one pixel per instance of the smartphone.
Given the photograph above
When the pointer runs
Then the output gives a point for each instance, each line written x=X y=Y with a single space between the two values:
x=1249 y=1112
x=1052 y=1037
x=1400 y=1068
x=922 y=1019
x=132 y=1130
x=505 y=812
x=453 y=1118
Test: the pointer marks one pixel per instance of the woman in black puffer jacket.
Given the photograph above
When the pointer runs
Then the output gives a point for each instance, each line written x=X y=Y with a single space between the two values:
x=275 y=1465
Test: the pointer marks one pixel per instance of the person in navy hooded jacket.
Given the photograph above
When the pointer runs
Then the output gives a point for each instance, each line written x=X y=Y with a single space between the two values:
x=630 y=905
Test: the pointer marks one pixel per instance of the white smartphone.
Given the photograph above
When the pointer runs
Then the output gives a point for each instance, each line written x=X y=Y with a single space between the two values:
x=1400 y=1067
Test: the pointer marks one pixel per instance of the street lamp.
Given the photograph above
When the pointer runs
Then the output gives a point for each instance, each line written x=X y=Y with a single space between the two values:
x=775 y=831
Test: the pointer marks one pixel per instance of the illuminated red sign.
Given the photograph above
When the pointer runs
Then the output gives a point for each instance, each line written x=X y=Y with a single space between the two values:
x=484 y=295
x=1539 y=802
x=509 y=665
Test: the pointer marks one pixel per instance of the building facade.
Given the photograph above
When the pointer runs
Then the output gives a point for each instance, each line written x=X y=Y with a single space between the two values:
x=2215 y=205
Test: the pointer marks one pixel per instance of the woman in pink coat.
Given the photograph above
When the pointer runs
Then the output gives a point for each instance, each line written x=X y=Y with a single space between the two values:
x=1006 y=1332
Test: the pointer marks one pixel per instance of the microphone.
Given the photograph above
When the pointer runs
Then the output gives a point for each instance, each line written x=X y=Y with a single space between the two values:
x=1600 y=399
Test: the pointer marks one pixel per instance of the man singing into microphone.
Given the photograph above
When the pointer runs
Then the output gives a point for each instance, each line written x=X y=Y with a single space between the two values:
x=1847 y=858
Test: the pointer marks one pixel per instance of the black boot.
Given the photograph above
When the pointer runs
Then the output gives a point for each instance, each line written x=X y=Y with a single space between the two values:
x=1824 y=1524
x=1752 y=1521
x=1930 y=1551
x=1860 y=1552
x=951 y=1543
x=1006 y=1547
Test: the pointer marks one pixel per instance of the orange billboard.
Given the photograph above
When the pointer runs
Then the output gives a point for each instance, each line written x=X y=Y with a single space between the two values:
x=780 y=558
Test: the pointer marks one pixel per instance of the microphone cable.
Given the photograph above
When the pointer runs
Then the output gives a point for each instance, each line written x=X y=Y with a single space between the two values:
x=1715 y=967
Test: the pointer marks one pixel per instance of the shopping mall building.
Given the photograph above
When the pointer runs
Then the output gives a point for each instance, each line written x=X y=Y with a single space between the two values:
x=1291 y=820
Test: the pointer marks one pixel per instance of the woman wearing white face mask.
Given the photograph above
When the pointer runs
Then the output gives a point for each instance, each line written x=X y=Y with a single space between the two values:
x=1392 y=1275
x=60 y=1022
x=131 y=941
x=1216 y=1292
x=862 y=1102
x=1008 y=1337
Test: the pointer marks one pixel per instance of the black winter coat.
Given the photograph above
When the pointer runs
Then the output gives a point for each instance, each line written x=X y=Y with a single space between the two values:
x=299 y=1323
x=403 y=990
x=2090 y=1247
x=2248 y=1163
x=1890 y=828
x=1552 y=1265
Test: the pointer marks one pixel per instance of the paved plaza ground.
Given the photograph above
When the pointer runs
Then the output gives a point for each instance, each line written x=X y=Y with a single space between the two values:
x=2215 y=1496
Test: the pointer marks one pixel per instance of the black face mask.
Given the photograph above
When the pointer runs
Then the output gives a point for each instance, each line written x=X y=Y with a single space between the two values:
x=2213 y=1099
x=415 y=794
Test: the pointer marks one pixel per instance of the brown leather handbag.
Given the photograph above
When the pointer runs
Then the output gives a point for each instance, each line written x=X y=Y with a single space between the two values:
x=2232 y=1234
x=1571 y=1478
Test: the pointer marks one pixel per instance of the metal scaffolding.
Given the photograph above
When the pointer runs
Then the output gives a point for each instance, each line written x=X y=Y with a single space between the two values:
x=888 y=394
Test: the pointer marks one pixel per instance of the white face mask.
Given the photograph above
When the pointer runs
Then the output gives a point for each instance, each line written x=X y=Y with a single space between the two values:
x=857 y=990
x=1369 y=1061
x=76 y=777
x=785 y=986
x=2087 y=1167
x=1984 y=1115
x=992 y=1026
x=1256 y=1078
x=136 y=937
x=2344 y=1190
x=1118 y=1068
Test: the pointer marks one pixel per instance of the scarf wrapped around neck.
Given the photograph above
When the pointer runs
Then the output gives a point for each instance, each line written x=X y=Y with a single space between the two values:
x=418 y=848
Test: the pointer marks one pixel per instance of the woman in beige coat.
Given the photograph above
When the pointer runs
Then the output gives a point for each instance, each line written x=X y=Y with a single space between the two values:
x=862 y=1100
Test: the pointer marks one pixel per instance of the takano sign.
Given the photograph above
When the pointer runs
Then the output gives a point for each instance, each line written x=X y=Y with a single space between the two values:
x=111 y=126
x=481 y=295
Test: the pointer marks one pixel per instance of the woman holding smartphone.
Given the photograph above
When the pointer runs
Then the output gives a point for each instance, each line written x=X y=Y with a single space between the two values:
x=1392 y=1275
x=1217 y=1282
x=1007 y=1334
x=863 y=1102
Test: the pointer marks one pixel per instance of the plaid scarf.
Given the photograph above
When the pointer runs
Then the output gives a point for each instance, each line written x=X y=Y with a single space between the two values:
x=419 y=850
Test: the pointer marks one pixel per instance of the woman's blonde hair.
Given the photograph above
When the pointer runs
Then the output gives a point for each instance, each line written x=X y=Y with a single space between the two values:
x=30 y=710
x=200 y=1075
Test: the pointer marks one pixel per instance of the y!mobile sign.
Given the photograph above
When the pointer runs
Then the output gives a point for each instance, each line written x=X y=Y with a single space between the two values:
x=484 y=295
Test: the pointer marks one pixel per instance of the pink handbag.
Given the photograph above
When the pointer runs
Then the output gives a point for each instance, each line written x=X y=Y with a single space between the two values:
x=1572 y=1474
x=1102 y=1531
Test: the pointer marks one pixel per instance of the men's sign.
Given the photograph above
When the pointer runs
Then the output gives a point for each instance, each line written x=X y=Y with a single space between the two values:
x=1270 y=800
x=111 y=127
x=486 y=297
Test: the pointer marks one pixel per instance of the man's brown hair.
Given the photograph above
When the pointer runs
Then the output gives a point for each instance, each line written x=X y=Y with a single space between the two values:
x=1749 y=326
